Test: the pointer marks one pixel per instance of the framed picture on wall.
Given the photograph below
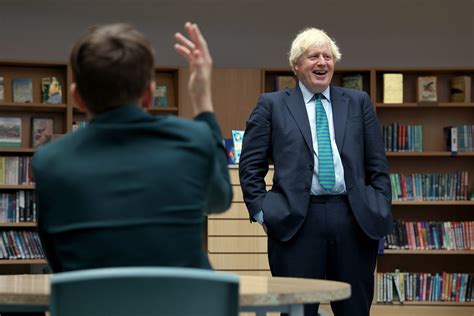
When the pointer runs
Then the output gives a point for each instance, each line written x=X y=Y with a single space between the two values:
x=41 y=130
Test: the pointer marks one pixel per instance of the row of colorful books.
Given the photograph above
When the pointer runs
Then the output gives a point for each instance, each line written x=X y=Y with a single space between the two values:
x=20 y=245
x=11 y=131
x=402 y=137
x=424 y=287
x=430 y=186
x=459 y=138
x=22 y=90
x=16 y=170
x=18 y=207
x=427 y=88
x=431 y=235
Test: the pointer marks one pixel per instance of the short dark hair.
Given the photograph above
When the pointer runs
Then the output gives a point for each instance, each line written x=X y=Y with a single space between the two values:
x=112 y=66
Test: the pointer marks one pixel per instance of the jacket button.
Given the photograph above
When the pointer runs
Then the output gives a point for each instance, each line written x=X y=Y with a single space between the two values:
x=306 y=189
x=311 y=167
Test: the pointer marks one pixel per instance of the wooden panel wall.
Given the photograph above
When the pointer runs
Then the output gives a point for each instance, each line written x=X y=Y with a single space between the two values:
x=234 y=243
x=235 y=94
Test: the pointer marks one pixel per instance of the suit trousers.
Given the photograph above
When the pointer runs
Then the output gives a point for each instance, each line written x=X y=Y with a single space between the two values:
x=330 y=245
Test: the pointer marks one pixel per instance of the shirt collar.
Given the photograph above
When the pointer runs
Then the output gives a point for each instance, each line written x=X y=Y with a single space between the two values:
x=308 y=95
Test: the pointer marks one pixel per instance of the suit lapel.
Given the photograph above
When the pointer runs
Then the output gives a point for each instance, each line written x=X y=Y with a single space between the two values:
x=295 y=103
x=340 y=106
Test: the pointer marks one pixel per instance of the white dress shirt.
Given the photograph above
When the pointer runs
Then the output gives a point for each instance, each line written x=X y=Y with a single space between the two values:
x=310 y=102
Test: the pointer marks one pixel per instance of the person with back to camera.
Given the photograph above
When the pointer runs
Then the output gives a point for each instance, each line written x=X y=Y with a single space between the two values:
x=131 y=189
x=331 y=199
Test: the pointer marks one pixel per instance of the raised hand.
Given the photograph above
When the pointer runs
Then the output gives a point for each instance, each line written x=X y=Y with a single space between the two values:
x=194 y=49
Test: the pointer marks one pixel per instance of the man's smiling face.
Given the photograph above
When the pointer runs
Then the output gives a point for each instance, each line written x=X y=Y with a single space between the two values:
x=315 y=68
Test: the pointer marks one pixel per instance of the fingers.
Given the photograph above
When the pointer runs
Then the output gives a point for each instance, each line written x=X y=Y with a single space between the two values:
x=183 y=51
x=196 y=37
x=184 y=47
x=184 y=41
x=193 y=47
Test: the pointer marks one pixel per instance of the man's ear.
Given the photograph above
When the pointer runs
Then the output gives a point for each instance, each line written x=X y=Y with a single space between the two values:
x=147 y=99
x=296 y=68
x=77 y=97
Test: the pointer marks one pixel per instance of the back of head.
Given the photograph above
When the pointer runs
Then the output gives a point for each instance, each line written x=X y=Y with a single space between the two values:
x=112 y=66
x=308 y=38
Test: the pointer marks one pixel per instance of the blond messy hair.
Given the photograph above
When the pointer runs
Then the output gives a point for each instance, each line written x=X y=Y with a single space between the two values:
x=310 y=37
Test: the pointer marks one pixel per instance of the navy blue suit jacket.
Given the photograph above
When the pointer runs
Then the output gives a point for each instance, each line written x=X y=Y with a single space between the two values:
x=278 y=129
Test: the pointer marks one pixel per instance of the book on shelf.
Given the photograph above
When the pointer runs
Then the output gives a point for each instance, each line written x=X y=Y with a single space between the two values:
x=229 y=148
x=392 y=88
x=237 y=137
x=10 y=131
x=461 y=89
x=352 y=81
x=160 y=98
x=398 y=286
x=51 y=90
x=282 y=82
x=22 y=90
x=451 y=136
x=459 y=138
x=427 y=89
x=41 y=131
x=2 y=91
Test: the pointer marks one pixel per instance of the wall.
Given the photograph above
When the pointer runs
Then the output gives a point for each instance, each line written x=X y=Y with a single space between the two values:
x=254 y=33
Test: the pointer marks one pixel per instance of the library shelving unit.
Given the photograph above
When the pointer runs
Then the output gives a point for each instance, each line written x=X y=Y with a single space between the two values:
x=17 y=185
x=236 y=245
x=433 y=159
x=16 y=182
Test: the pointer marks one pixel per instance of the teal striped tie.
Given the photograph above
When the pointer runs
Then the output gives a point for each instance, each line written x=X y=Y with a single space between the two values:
x=326 y=175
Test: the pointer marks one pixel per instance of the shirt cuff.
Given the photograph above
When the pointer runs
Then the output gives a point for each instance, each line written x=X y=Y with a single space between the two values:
x=259 y=217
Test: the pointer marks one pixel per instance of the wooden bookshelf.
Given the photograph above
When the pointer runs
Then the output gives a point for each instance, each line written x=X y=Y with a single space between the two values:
x=63 y=115
x=35 y=71
x=23 y=262
x=17 y=225
x=16 y=187
x=167 y=77
x=435 y=158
